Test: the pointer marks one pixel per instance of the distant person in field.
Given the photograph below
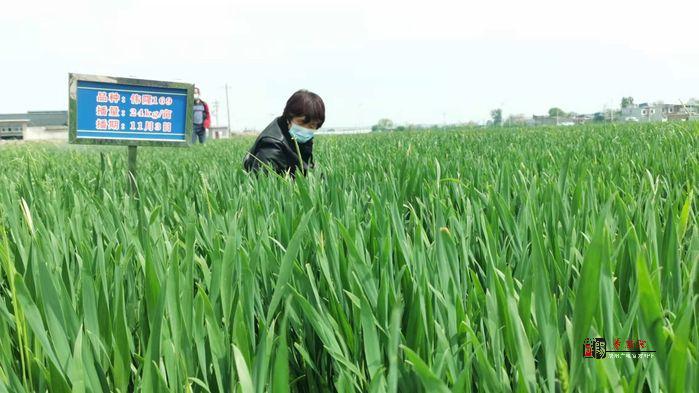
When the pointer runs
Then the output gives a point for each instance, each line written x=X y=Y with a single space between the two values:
x=200 y=117
x=286 y=145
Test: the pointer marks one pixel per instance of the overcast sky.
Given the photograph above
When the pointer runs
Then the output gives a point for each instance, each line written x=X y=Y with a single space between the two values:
x=411 y=61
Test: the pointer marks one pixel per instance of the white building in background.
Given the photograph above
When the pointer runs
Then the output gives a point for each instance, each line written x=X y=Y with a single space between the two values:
x=659 y=112
x=12 y=128
x=218 y=133
x=35 y=125
x=642 y=112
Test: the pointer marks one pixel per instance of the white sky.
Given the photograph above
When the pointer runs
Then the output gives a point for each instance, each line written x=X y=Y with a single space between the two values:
x=410 y=61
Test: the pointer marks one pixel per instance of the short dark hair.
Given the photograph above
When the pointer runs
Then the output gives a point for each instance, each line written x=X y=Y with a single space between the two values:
x=307 y=104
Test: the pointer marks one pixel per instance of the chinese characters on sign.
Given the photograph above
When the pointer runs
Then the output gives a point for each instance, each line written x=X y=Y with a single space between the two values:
x=161 y=119
x=130 y=112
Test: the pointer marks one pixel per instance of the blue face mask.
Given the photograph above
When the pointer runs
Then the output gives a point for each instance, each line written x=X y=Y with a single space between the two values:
x=301 y=134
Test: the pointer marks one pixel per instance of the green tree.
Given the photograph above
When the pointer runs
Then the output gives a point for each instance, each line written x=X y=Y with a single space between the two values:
x=556 y=112
x=383 y=125
x=496 y=115
x=626 y=102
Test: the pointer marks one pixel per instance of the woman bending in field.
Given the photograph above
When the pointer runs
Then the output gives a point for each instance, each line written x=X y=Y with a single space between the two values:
x=287 y=143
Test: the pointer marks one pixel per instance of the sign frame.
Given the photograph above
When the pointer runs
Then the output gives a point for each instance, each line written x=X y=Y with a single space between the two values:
x=74 y=78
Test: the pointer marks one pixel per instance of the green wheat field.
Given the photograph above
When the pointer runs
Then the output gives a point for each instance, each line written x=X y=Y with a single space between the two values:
x=448 y=260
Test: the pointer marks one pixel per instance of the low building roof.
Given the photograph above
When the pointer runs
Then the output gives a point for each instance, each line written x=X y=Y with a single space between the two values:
x=38 y=118
x=48 y=118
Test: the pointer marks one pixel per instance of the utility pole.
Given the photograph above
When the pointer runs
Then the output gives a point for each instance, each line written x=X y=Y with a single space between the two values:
x=502 y=123
x=612 y=112
x=228 y=111
x=216 y=112
x=358 y=119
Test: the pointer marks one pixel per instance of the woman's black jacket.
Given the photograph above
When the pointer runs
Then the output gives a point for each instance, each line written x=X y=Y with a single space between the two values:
x=275 y=149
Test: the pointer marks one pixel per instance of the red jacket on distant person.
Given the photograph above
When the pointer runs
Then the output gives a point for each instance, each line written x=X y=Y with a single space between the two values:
x=207 y=119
